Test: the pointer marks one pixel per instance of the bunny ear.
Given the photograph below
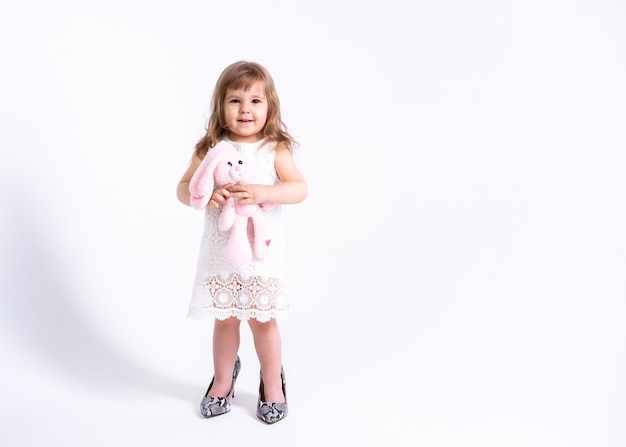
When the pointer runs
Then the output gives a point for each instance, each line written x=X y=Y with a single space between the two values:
x=202 y=182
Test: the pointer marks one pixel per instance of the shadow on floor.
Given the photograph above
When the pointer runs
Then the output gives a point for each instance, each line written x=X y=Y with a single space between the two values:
x=37 y=307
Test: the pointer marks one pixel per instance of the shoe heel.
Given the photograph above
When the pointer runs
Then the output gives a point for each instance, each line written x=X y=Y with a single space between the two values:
x=215 y=406
x=235 y=375
x=271 y=412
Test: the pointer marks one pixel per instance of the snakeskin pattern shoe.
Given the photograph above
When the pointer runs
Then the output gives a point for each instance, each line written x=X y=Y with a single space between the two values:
x=270 y=412
x=214 y=406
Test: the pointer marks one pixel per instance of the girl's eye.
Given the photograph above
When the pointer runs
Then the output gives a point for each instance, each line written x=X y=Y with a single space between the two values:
x=256 y=101
x=234 y=101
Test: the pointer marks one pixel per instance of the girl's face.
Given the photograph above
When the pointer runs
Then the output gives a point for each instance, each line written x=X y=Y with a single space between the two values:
x=245 y=113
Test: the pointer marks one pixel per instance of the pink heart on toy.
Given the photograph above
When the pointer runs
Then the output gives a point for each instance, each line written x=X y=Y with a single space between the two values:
x=267 y=242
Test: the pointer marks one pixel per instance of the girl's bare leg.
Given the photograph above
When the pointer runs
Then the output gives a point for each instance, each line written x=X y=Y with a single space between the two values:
x=226 y=340
x=267 y=343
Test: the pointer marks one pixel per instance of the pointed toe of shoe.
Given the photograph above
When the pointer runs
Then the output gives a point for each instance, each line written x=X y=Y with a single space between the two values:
x=270 y=412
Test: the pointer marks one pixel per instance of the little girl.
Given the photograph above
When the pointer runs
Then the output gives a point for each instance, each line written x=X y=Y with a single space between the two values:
x=245 y=112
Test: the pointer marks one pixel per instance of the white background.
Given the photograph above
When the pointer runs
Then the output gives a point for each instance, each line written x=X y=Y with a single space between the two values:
x=458 y=268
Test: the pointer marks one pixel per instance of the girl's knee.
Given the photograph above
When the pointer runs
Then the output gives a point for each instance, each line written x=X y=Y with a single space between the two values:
x=256 y=325
x=231 y=322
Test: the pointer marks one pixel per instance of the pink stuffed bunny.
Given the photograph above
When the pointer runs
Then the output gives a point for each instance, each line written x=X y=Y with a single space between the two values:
x=223 y=164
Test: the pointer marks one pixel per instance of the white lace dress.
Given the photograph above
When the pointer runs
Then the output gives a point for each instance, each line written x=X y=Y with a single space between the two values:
x=256 y=290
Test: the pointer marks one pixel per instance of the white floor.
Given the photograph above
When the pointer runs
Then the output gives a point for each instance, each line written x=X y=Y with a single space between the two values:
x=347 y=385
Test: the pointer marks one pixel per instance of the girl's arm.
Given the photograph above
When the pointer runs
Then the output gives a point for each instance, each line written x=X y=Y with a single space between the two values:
x=292 y=187
x=182 y=191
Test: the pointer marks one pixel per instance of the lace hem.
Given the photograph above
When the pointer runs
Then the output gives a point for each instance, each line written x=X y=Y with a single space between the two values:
x=232 y=296
x=243 y=315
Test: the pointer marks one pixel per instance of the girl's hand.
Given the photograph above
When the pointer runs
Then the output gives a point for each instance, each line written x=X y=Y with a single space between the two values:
x=248 y=194
x=219 y=196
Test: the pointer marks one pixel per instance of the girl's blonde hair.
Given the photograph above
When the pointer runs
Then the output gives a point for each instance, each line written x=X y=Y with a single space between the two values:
x=241 y=75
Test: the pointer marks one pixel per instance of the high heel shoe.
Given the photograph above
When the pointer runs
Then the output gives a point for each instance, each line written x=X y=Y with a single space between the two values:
x=270 y=412
x=214 y=406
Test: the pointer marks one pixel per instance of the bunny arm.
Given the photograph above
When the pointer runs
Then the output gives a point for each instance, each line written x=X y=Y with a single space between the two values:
x=238 y=246
x=267 y=206
x=227 y=215
x=246 y=210
x=231 y=210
